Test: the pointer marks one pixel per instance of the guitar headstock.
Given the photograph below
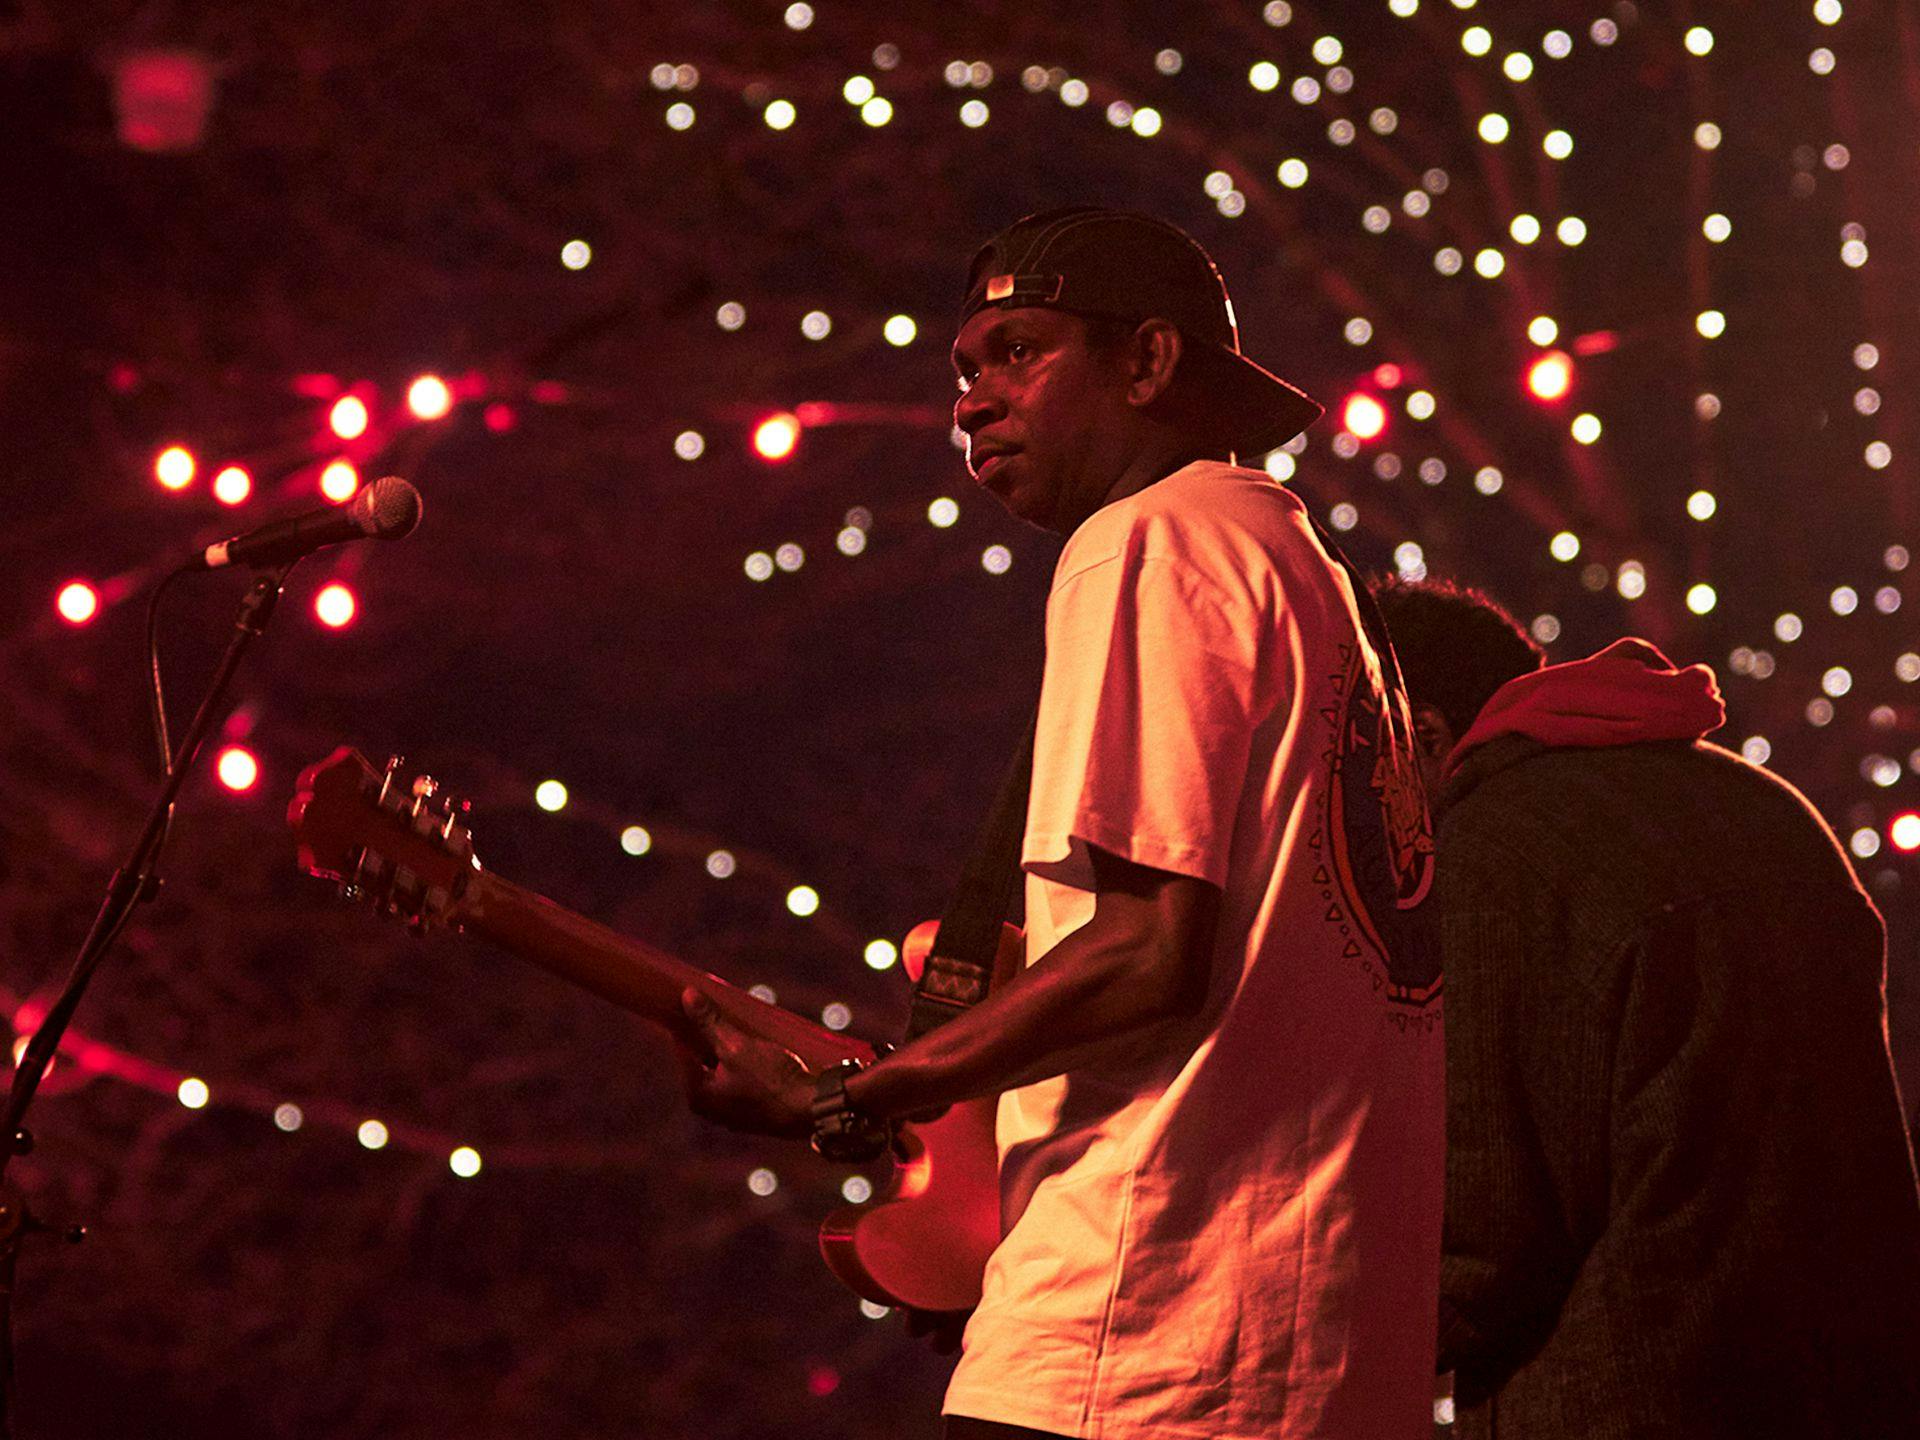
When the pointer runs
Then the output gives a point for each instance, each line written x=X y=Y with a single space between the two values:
x=383 y=837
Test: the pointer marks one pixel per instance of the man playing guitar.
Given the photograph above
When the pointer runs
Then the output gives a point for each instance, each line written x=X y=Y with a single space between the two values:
x=1220 y=1125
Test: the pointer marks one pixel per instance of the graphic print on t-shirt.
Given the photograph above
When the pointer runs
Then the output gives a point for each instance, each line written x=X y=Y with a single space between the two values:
x=1375 y=841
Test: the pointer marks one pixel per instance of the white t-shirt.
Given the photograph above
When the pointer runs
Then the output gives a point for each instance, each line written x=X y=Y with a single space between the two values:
x=1235 y=1232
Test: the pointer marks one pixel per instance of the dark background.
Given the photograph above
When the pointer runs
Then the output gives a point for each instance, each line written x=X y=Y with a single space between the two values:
x=383 y=190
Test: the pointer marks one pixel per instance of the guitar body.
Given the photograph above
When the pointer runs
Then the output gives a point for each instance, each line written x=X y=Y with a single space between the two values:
x=922 y=1242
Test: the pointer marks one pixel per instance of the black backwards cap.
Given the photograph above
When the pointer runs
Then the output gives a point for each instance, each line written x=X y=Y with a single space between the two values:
x=1113 y=263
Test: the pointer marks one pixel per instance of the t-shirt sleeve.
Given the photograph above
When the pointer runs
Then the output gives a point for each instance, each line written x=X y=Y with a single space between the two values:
x=1151 y=695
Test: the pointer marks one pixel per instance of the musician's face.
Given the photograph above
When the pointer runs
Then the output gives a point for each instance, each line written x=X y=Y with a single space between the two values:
x=1045 y=413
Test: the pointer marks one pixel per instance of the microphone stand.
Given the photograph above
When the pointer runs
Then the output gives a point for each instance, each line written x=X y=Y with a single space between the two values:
x=134 y=883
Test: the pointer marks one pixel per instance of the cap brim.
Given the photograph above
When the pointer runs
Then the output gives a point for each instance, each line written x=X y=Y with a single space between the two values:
x=1257 y=410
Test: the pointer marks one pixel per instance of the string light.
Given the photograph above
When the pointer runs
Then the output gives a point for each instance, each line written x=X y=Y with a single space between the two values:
x=334 y=606
x=429 y=398
x=776 y=437
x=232 y=485
x=174 y=467
x=339 y=481
x=237 y=769
x=1551 y=376
x=77 y=602
x=348 y=417
x=1364 y=416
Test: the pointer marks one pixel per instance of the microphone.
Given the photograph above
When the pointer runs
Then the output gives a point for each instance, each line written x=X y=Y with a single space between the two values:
x=386 y=510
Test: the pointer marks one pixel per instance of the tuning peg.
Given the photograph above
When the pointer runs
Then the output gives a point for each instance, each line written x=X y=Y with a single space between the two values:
x=394 y=762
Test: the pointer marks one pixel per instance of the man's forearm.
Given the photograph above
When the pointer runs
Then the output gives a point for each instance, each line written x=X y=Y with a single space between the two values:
x=1092 y=995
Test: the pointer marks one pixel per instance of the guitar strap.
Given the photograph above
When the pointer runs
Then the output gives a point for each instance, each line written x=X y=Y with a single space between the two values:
x=960 y=966
x=1371 y=620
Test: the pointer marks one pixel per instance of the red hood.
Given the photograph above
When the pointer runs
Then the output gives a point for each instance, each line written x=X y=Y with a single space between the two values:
x=1627 y=693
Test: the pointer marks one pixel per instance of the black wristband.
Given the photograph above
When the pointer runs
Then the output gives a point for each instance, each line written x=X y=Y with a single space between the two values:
x=840 y=1132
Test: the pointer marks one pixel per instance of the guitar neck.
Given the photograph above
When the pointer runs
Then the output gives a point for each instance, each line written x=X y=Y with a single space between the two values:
x=632 y=974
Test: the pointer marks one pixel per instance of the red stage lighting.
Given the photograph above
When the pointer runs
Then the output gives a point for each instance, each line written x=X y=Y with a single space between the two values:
x=1363 y=416
x=232 y=485
x=775 y=437
x=429 y=398
x=162 y=99
x=173 y=467
x=1388 y=376
x=238 y=769
x=77 y=602
x=334 y=606
x=339 y=481
x=348 y=417
x=1551 y=376
x=1904 y=831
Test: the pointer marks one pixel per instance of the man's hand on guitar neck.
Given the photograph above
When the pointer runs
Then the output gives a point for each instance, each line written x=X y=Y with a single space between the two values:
x=742 y=1082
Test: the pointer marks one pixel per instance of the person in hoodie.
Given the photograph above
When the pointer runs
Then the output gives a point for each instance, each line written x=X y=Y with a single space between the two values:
x=1680 y=1196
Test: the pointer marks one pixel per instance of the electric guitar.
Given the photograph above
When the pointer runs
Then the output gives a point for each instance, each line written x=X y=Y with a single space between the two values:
x=923 y=1240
